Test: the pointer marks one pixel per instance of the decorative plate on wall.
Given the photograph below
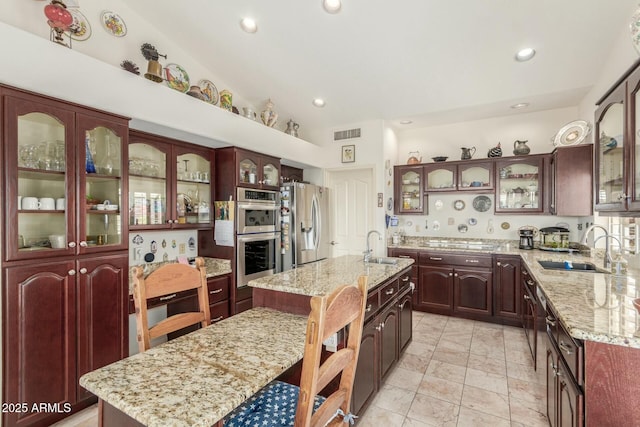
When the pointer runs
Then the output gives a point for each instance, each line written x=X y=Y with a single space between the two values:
x=80 y=29
x=113 y=23
x=177 y=77
x=482 y=203
x=572 y=133
x=634 y=27
x=458 y=205
x=209 y=91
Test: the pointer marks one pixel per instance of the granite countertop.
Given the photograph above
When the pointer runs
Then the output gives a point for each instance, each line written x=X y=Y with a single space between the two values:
x=592 y=306
x=215 y=267
x=322 y=277
x=196 y=379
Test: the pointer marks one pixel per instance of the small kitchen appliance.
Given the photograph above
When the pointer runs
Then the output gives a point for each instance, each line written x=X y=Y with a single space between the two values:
x=554 y=238
x=526 y=238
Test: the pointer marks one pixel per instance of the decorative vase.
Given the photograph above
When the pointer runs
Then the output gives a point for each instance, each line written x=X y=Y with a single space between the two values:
x=226 y=100
x=495 y=151
x=90 y=167
x=520 y=148
x=292 y=128
x=268 y=116
x=195 y=92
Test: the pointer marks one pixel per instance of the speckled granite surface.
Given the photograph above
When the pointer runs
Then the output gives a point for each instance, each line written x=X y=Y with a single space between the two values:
x=592 y=306
x=197 y=379
x=320 y=278
x=215 y=267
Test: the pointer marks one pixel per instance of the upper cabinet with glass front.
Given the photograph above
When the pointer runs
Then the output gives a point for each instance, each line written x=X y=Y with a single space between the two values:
x=169 y=183
x=409 y=194
x=63 y=178
x=519 y=186
x=616 y=140
x=467 y=175
x=250 y=169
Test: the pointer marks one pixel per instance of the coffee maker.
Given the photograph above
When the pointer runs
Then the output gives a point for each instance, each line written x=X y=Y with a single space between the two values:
x=526 y=238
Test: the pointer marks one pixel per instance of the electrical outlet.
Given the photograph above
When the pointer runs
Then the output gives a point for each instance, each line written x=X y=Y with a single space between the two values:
x=182 y=248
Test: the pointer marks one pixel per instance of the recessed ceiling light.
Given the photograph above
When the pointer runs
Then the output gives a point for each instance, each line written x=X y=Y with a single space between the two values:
x=520 y=105
x=525 y=54
x=318 y=102
x=249 y=25
x=405 y=122
x=332 y=6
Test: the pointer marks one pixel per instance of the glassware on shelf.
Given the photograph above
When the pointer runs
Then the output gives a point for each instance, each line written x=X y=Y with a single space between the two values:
x=90 y=167
x=109 y=160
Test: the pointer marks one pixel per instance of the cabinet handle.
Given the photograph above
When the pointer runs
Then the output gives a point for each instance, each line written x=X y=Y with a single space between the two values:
x=378 y=328
x=215 y=291
x=406 y=279
x=435 y=258
x=566 y=348
x=382 y=325
x=389 y=292
x=404 y=256
x=72 y=272
x=550 y=321
x=72 y=244
x=83 y=270
x=368 y=309
x=83 y=244
x=526 y=298
x=554 y=368
x=531 y=282
x=498 y=264
x=401 y=306
x=217 y=319
x=524 y=273
x=168 y=297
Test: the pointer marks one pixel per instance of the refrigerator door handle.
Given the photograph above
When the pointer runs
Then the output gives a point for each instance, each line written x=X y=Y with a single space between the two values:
x=315 y=220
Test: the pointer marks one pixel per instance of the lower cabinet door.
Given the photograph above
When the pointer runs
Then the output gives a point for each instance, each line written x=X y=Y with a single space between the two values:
x=551 y=370
x=388 y=339
x=39 y=340
x=103 y=329
x=473 y=292
x=435 y=292
x=365 y=383
x=405 y=320
x=570 y=399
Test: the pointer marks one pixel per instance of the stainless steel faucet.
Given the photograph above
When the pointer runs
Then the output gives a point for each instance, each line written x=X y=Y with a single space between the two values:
x=367 y=253
x=607 y=243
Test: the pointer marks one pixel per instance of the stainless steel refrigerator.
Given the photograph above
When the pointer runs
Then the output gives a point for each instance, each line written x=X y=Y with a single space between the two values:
x=304 y=224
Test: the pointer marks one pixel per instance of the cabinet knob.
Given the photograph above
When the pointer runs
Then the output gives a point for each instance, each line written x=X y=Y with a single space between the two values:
x=368 y=309
x=72 y=272
x=498 y=264
x=455 y=274
x=83 y=244
x=378 y=328
x=450 y=274
x=382 y=325
x=550 y=321
x=401 y=306
x=72 y=244
x=83 y=270
x=526 y=297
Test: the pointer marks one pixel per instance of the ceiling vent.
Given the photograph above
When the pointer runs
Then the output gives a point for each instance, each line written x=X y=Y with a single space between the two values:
x=341 y=135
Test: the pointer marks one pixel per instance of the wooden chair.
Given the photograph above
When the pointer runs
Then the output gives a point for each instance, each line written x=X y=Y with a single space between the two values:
x=166 y=280
x=280 y=403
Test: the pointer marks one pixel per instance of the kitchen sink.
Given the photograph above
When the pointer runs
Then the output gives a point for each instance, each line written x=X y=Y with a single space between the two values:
x=383 y=260
x=575 y=266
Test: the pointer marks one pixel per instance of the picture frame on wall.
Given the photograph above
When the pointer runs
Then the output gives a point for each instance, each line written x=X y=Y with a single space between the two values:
x=348 y=153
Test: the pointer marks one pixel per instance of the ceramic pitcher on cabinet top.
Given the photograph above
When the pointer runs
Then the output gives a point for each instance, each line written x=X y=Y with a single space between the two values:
x=520 y=148
x=467 y=153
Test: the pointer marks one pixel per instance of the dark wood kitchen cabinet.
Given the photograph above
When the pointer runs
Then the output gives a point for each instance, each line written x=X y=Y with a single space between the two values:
x=249 y=169
x=473 y=292
x=507 y=288
x=467 y=175
x=408 y=190
x=62 y=319
x=571 y=181
x=290 y=174
x=530 y=310
x=170 y=183
x=435 y=289
x=405 y=319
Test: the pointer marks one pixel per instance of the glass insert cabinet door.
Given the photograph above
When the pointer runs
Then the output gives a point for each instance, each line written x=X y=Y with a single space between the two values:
x=41 y=160
x=519 y=185
x=100 y=170
x=610 y=152
x=248 y=171
x=193 y=188
x=411 y=198
x=270 y=175
x=440 y=177
x=148 y=185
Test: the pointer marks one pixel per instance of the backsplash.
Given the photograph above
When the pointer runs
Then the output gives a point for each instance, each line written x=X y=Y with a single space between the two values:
x=159 y=246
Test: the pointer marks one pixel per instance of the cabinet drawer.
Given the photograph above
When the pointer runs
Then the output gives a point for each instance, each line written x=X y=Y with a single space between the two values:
x=388 y=291
x=469 y=260
x=572 y=353
x=373 y=303
x=218 y=289
x=219 y=311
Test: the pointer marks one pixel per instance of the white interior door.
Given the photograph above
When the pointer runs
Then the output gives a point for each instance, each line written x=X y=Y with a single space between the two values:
x=353 y=204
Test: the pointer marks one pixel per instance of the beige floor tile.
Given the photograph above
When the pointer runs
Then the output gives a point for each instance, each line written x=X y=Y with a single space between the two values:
x=420 y=348
x=486 y=348
x=447 y=343
x=526 y=372
x=412 y=362
x=426 y=336
x=528 y=413
x=404 y=378
x=487 y=364
x=408 y=422
x=487 y=381
x=485 y=401
x=459 y=358
x=526 y=390
x=394 y=399
x=446 y=371
x=520 y=355
x=441 y=389
x=376 y=417
x=433 y=412
x=471 y=418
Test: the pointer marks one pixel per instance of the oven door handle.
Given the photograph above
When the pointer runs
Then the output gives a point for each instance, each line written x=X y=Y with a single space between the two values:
x=258 y=207
x=257 y=237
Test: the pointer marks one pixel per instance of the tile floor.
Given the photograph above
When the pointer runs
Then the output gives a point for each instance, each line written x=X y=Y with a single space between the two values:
x=455 y=372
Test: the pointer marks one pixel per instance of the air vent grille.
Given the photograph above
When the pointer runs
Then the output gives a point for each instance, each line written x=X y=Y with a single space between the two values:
x=341 y=135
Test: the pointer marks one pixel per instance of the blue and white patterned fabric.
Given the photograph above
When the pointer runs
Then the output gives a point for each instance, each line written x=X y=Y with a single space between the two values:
x=273 y=406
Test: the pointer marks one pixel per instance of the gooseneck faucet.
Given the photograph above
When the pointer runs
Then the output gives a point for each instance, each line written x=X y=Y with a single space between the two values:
x=367 y=253
x=607 y=243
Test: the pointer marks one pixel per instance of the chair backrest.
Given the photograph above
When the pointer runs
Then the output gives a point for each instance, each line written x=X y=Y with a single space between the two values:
x=166 y=280
x=345 y=307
